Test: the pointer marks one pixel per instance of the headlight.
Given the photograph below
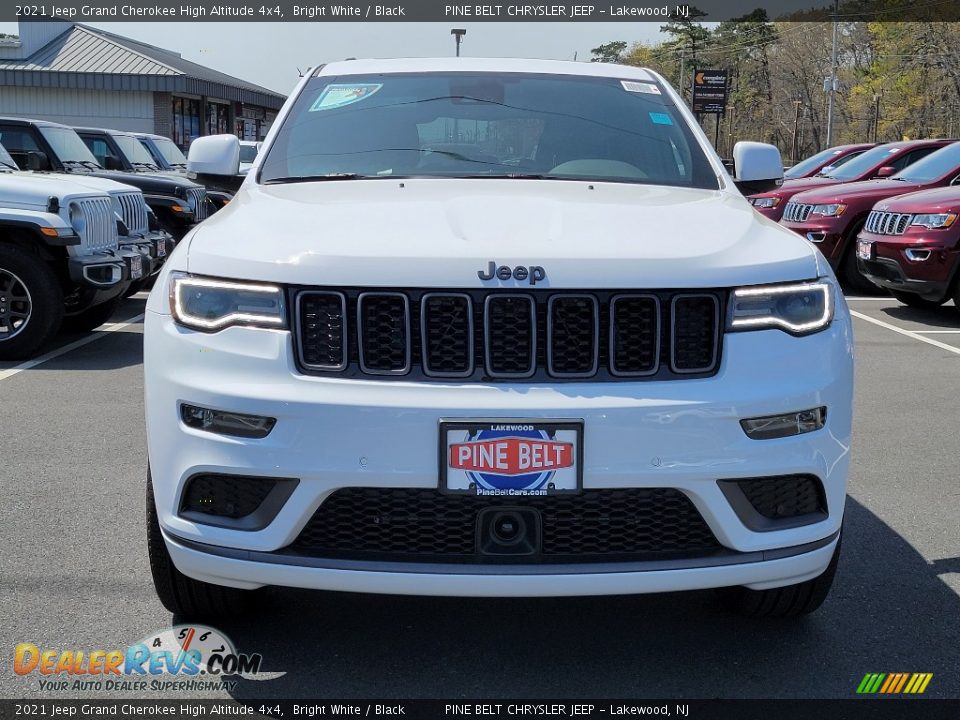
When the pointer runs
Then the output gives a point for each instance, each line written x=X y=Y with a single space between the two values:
x=800 y=309
x=934 y=221
x=765 y=202
x=210 y=305
x=831 y=210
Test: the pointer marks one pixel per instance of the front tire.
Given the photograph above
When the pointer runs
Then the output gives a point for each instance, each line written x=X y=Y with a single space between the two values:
x=852 y=276
x=190 y=599
x=789 y=601
x=31 y=303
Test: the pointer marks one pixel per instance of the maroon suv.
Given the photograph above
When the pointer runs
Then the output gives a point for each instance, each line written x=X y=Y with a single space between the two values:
x=881 y=161
x=911 y=246
x=832 y=217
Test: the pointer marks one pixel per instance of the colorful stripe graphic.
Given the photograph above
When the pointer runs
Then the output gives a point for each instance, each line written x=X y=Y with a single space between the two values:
x=894 y=683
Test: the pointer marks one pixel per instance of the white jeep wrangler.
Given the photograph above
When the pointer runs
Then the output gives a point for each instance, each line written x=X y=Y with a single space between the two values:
x=494 y=328
x=69 y=249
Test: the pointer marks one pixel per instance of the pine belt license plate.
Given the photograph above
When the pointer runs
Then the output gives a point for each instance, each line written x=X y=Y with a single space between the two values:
x=511 y=458
x=864 y=249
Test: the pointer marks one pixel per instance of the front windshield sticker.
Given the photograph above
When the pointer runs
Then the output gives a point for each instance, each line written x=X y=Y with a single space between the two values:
x=640 y=87
x=335 y=96
x=659 y=118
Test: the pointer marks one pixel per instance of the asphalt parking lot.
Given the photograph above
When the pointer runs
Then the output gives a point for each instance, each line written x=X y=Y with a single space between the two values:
x=74 y=573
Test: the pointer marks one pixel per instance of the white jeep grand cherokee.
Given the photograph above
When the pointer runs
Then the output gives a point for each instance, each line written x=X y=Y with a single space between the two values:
x=494 y=328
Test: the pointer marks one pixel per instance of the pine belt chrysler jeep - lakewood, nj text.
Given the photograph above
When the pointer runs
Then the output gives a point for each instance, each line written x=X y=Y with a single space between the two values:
x=494 y=328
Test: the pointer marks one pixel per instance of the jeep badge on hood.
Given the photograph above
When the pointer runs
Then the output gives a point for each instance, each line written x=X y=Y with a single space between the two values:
x=534 y=273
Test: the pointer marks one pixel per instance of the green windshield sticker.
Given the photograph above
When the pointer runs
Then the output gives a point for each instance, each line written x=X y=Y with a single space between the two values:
x=659 y=118
x=335 y=96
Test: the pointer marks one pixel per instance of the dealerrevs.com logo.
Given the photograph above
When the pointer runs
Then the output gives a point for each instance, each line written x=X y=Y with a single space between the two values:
x=183 y=657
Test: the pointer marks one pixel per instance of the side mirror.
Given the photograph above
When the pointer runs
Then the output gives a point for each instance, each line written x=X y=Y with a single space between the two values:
x=826 y=169
x=37 y=160
x=886 y=171
x=214 y=155
x=112 y=163
x=757 y=167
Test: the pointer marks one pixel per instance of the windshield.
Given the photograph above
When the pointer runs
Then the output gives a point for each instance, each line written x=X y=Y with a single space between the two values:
x=170 y=152
x=6 y=162
x=135 y=152
x=486 y=125
x=248 y=153
x=862 y=164
x=68 y=146
x=811 y=163
x=934 y=166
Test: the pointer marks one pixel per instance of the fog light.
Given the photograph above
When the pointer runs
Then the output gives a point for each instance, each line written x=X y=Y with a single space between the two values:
x=778 y=426
x=226 y=423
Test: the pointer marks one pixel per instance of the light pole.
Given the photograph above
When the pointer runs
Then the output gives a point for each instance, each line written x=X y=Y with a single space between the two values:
x=833 y=74
x=458 y=33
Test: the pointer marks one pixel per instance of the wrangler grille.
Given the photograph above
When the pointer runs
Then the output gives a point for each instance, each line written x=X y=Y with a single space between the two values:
x=97 y=226
x=133 y=210
x=797 y=212
x=197 y=197
x=887 y=223
x=486 y=336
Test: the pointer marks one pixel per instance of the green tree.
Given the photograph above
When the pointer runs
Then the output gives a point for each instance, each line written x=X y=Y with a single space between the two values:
x=611 y=52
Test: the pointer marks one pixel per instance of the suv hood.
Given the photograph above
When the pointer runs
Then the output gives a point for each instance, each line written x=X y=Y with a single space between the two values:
x=21 y=189
x=442 y=232
x=945 y=199
x=146 y=182
x=848 y=192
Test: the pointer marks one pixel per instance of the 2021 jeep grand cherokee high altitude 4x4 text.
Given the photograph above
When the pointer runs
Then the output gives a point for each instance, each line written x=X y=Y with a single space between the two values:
x=494 y=327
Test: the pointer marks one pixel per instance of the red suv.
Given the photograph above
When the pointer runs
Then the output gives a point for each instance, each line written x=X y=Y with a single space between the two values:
x=911 y=246
x=832 y=217
x=881 y=161
x=825 y=161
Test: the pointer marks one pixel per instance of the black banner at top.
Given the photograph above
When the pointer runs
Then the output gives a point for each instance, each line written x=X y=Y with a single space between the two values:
x=654 y=11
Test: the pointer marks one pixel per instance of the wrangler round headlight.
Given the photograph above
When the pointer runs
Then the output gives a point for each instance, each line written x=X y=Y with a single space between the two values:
x=78 y=219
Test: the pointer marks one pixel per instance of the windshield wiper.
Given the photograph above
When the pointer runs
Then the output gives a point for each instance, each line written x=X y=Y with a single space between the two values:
x=320 y=178
x=149 y=166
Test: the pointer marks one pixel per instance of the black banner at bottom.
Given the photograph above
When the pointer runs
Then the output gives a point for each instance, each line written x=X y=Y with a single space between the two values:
x=854 y=709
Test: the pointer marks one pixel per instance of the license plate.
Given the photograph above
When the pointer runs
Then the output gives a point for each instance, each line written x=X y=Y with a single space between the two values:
x=161 y=248
x=136 y=268
x=864 y=249
x=511 y=458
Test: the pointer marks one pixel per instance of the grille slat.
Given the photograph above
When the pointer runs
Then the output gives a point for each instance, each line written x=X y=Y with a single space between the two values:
x=99 y=231
x=486 y=336
x=198 y=201
x=133 y=211
x=887 y=223
x=425 y=524
x=797 y=212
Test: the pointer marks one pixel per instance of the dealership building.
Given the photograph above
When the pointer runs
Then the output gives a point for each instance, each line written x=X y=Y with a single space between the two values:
x=83 y=76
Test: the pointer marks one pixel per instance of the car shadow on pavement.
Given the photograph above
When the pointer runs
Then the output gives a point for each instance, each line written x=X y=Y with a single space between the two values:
x=946 y=317
x=889 y=611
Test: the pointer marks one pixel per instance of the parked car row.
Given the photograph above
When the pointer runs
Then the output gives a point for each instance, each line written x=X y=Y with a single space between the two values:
x=886 y=217
x=87 y=217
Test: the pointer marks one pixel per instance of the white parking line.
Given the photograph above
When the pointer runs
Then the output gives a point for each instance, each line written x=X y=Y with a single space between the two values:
x=99 y=333
x=937 y=332
x=908 y=333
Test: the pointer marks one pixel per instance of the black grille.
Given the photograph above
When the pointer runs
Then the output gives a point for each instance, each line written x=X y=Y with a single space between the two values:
x=572 y=340
x=635 y=340
x=323 y=340
x=424 y=524
x=228 y=496
x=384 y=333
x=510 y=335
x=483 y=336
x=784 y=496
x=696 y=320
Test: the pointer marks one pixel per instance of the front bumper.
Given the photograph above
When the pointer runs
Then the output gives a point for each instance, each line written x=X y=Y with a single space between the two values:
x=890 y=268
x=332 y=434
x=827 y=238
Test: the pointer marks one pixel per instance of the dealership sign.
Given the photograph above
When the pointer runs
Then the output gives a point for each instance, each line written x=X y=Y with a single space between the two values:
x=710 y=91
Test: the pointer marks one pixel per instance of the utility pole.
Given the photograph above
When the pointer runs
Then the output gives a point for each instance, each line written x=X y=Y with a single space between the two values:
x=796 y=130
x=683 y=57
x=876 y=115
x=833 y=74
x=458 y=34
